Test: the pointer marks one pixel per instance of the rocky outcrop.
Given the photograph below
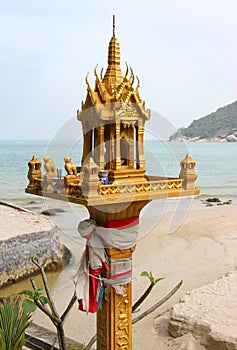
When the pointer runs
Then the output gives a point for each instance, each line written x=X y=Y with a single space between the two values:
x=219 y=126
x=208 y=314
x=24 y=234
x=222 y=138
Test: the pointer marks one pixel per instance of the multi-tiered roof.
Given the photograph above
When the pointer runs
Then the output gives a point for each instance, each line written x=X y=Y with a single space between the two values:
x=113 y=86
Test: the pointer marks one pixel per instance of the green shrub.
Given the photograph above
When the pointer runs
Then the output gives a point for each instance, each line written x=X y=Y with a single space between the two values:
x=13 y=323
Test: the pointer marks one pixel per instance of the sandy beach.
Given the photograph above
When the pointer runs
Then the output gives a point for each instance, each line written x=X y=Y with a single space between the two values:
x=202 y=249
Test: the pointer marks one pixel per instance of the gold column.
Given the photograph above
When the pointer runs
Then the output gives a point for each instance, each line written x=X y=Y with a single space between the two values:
x=109 y=140
x=96 y=145
x=87 y=145
x=117 y=147
x=101 y=161
x=140 y=146
x=112 y=148
x=131 y=147
x=114 y=321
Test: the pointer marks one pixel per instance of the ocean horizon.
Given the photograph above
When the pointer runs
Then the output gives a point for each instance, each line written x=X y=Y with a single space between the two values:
x=216 y=163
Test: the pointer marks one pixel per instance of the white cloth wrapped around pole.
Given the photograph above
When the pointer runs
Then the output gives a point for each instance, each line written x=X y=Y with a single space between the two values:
x=94 y=259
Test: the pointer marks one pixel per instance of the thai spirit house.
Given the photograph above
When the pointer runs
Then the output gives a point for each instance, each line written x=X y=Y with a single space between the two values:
x=113 y=118
x=113 y=183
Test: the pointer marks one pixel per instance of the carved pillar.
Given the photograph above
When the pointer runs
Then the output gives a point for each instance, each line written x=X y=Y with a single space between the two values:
x=109 y=139
x=131 y=147
x=117 y=147
x=101 y=161
x=112 y=148
x=140 y=146
x=87 y=144
x=114 y=321
x=96 y=145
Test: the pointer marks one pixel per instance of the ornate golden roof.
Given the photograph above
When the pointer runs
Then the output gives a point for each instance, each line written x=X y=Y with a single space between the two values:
x=113 y=86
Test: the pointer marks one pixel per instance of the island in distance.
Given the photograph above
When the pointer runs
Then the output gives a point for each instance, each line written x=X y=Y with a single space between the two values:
x=219 y=126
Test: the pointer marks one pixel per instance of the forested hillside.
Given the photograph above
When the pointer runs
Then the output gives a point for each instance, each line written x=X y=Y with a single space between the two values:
x=219 y=124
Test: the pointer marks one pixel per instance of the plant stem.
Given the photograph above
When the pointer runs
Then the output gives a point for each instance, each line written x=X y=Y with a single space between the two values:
x=68 y=308
x=91 y=342
x=44 y=278
x=53 y=318
x=143 y=297
x=159 y=303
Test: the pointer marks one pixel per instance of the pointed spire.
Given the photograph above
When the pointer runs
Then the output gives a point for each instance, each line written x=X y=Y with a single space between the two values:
x=114 y=25
x=113 y=73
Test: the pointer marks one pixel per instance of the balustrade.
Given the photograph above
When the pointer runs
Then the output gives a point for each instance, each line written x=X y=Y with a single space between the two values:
x=151 y=186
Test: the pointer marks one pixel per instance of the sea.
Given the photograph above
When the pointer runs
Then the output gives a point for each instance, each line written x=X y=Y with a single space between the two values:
x=216 y=166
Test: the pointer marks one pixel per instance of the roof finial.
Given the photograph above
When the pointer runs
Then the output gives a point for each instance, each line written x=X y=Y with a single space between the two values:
x=114 y=25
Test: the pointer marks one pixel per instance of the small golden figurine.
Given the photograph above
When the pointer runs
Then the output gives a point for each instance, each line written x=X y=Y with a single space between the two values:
x=70 y=167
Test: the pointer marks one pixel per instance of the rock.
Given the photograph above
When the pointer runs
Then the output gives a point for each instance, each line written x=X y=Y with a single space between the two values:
x=48 y=213
x=22 y=235
x=161 y=325
x=213 y=200
x=52 y=212
x=188 y=342
x=208 y=314
x=231 y=138
x=228 y=202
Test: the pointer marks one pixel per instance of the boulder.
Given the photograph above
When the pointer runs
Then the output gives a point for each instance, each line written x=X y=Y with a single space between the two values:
x=231 y=138
x=24 y=234
x=209 y=314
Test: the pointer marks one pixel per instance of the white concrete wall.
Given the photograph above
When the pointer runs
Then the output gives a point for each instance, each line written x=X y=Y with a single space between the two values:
x=17 y=249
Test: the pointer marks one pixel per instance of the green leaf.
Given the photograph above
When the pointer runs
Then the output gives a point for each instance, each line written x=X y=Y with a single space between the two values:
x=158 y=279
x=153 y=281
x=37 y=293
x=28 y=306
x=145 y=274
x=27 y=292
x=43 y=299
x=13 y=323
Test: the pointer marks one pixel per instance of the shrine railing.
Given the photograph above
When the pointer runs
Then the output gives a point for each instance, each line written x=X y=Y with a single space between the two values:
x=141 y=187
x=159 y=186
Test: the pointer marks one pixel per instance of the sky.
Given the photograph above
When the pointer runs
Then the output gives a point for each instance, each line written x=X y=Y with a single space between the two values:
x=184 y=52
